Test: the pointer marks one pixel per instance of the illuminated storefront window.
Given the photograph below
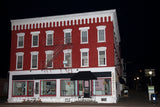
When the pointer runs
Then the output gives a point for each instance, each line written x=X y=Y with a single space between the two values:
x=48 y=87
x=67 y=87
x=102 y=87
x=23 y=88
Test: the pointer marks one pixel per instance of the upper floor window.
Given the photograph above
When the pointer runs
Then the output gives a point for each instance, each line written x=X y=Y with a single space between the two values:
x=49 y=59
x=35 y=38
x=34 y=60
x=19 y=60
x=101 y=33
x=20 y=40
x=102 y=56
x=84 y=57
x=49 y=37
x=67 y=36
x=84 y=34
x=67 y=58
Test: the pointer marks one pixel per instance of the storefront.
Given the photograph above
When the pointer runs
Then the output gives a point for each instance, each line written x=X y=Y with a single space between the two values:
x=67 y=87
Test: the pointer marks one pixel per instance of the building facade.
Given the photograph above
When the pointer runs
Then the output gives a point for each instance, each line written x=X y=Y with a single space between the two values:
x=65 y=58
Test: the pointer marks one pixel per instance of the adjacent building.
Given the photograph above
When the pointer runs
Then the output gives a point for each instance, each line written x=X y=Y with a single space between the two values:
x=65 y=58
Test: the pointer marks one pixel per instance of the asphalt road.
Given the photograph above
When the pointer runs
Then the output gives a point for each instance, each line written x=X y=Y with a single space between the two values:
x=135 y=99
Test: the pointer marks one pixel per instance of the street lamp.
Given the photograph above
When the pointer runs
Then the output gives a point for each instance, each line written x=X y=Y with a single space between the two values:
x=150 y=74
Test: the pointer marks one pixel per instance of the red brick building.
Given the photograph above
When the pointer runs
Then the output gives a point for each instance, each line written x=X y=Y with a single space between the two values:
x=65 y=58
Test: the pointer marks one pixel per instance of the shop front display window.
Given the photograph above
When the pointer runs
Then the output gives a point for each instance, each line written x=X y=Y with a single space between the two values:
x=102 y=87
x=23 y=88
x=48 y=87
x=67 y=87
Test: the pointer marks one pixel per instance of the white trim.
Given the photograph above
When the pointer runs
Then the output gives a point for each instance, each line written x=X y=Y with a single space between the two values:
x=102 y=27
x=20 y=35
x=81 y=30
x=49 y=52
x=49 y=32
x=63 y=71
x=84 y=28
x=67 y=31
x=68 y=51
x=34 y=53
x=85 y=50
x=23 y=23
x=102 y=49
x=35 y=33
x=19 y=54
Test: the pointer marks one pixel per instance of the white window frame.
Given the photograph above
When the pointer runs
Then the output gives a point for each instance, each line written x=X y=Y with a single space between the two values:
x=34 y=53
x=67 y=31
x=19 y=54
x=102 y=49
x=49 y=32
x=101 y=28
x=20 y=35
x=36 y=33
x=85 y=50
x=81 y=30
x=49 y=52
x=65 y=52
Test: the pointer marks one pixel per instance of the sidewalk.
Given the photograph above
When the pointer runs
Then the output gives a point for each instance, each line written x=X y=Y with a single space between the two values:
x=135 y=99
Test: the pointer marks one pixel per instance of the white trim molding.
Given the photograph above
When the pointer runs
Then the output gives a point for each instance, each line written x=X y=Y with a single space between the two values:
x=47 y=33
x=20 y=35
x=17 y=55
x=63 y=20
x=105 y=55
x=82 y=51
x=34 y=53
x=35 y=33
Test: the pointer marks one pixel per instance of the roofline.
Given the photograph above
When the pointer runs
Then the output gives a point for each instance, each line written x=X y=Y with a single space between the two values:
x=64 y=16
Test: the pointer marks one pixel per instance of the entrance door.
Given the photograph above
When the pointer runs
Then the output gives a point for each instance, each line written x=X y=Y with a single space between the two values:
x=86 y=88
x=36 y=88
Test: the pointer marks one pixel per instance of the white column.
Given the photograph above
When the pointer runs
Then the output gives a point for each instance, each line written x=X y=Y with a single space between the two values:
x=10 y=87
x=58 y=88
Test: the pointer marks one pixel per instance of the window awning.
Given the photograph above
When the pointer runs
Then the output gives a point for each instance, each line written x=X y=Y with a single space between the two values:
x=84 y=75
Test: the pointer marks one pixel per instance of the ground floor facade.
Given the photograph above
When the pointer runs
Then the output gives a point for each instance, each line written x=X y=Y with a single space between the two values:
x=57 y=86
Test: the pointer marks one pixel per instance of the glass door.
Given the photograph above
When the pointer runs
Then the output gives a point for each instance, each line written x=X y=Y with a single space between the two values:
x=86 y=88
x=36 y=88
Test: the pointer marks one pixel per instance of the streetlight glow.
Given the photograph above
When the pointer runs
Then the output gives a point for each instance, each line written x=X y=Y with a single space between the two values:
x=150 y=72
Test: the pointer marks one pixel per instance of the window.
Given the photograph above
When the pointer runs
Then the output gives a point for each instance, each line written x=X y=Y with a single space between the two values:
x=67 y=36
x=102 y=86
x=19 y=62
x=68 y=87
x=101 y=33
x=49 y=37
x=23 y=88
x=102 y=56
x=49 y=59
x=35 y=39
x=84 y=34
x=67 y=57
x=20 y=40
x=84 y=57
x=34 y=60
x=48 y=87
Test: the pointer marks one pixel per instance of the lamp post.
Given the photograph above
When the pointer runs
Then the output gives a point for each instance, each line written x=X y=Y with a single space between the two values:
x=150 y=74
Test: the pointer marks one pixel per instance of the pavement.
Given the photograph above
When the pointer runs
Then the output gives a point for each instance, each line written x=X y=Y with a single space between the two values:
x=134 y=99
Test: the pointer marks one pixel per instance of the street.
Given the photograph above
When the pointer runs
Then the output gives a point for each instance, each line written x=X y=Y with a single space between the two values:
x=135 y=98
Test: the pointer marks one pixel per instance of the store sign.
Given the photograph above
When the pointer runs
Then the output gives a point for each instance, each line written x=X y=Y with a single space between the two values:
x=151 y=89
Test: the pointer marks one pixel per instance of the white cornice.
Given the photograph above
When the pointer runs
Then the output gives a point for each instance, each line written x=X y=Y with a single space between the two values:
x=62 y=20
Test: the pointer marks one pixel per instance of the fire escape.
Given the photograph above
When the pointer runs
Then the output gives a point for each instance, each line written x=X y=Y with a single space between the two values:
x=58 y=47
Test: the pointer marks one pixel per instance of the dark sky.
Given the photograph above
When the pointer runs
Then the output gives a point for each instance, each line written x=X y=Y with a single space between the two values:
x=136 y=46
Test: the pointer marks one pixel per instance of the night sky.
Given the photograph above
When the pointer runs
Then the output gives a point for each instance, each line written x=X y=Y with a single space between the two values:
x=137 y=42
